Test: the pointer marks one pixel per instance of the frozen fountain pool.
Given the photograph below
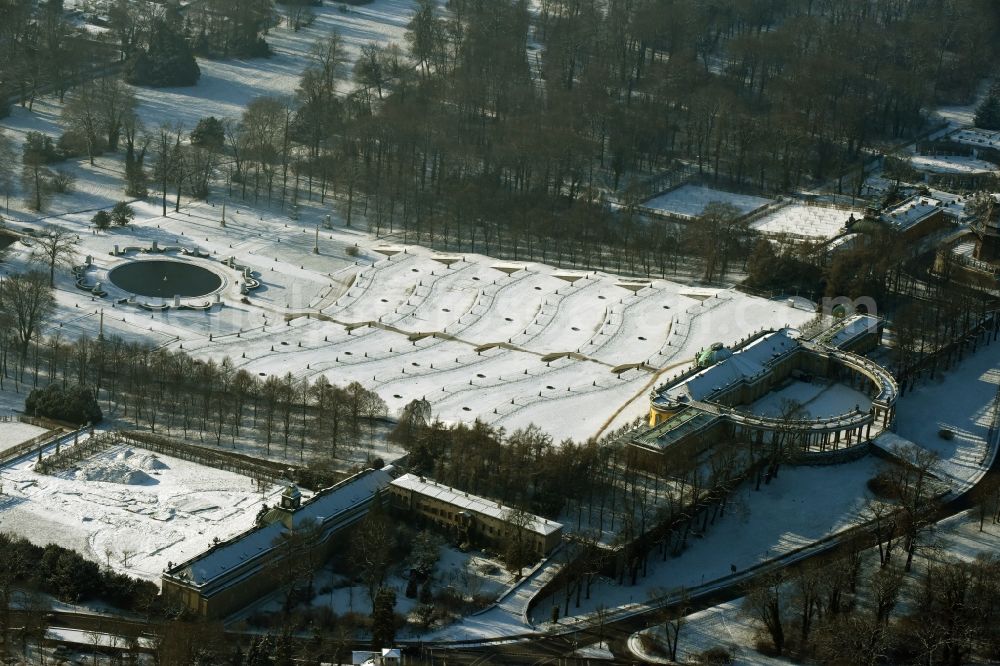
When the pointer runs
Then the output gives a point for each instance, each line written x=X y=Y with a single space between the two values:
x=165 y=279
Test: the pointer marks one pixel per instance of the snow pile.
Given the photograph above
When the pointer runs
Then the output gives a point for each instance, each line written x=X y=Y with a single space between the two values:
x=113 y=472
x=149 y=462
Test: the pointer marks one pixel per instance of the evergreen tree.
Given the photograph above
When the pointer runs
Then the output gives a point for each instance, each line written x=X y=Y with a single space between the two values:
x=122 y=214
x=209 y=133
x=988 y=113
x=384 y=618
x=74 y=403
x=102 y=220
x=169 y=60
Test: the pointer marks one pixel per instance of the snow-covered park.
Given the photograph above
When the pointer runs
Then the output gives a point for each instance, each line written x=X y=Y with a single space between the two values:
x=128 y=508
x=962 y=402
x=727 y=625
x=510 y=343
x=227 y=86
x=801 y=506
x=691 y=200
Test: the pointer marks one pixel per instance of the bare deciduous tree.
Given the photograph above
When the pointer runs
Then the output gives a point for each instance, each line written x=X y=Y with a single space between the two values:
x=55 y=248
x=764 y=602
x=27 y=300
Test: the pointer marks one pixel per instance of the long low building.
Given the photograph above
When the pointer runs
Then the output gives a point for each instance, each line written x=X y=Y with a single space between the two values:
x=469 y=517
x=710 y=402
x=233 y=573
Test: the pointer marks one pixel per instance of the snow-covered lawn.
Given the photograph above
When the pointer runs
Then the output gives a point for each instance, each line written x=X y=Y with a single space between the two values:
x=820 y=399
x=961 y=401
x=727 y=626
x=691 y=201
x=803 y=505
x=951 y=164
x=227 y=86
x=722 y=626
x=153 y=508
x=13 y=433
x=812 y=222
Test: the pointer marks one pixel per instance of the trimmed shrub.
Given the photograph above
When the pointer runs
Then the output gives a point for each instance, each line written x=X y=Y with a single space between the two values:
x=74 y=404
x=715 y=656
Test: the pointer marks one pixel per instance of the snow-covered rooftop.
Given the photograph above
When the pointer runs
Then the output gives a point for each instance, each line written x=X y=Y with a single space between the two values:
x=805 y=221
x=469 y=502
x=688 y=421
x=951 y=164
x=911 y=212
x=326 y=507
x=745 y=364
x=848 y=329
x=691 y=200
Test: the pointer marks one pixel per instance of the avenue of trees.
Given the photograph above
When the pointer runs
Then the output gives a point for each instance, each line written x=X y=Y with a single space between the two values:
x=174 y=394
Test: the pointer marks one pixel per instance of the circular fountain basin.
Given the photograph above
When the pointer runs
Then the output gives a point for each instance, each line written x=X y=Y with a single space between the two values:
x=159 y=278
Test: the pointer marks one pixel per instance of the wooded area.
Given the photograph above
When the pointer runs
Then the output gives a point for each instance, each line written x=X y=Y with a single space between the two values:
x=498 y=130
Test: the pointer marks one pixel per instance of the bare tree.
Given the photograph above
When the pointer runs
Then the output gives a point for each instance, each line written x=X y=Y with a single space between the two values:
x=371 y=544
x=319 y=107
x=912 y=483
x=672 y=619
x=27 y=300
x=885 y=585
x=165 y=156
x=883 y=519
x=838 y=578
x=807 y=595
x=116 y=105
x=8 y=164
x=764 y=603
x=298 y=558
x=55 y=248
x=38 y=151
x=81 y=115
